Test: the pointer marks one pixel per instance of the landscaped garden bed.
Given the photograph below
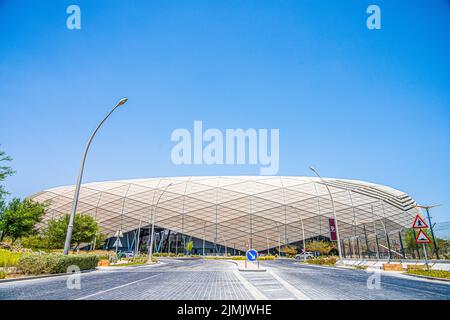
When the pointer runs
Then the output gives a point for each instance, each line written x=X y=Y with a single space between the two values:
x=438 y=274
x=324 y=261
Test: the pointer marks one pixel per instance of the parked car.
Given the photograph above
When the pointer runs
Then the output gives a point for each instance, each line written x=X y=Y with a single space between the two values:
x=303 y=255
x=128 y=254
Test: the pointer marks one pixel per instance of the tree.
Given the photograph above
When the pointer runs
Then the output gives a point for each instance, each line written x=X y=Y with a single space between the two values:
x=100 y=240
x=37 y=241
x=189 y=246
x=288 y=250
x=409 y=242
x=323 y=247
x=20 y=218
x=5 y=171
x=84 y=230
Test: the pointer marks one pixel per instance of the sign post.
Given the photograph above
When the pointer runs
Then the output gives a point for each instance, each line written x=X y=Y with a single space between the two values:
x=422 y=237
x=426 y=256
x=251 y=255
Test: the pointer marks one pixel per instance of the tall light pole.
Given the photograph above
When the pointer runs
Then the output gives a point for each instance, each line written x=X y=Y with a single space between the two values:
x=150 y=252
x=80 y=177
x=334 y=213
x=427 y=209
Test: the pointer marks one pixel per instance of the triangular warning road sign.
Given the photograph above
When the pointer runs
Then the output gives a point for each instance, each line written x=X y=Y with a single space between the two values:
x=422 y=237
x=419 y=223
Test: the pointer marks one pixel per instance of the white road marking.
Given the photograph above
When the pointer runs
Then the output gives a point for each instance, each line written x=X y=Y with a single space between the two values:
x=297 y=293
x=258 y=295
x=277 y=289
x=115 y=288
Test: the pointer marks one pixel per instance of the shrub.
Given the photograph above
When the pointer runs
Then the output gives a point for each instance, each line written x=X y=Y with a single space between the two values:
x=2 y=274
x=432 y=273
x=55 y=263
x=328 y=261
x=35 y=242
x=361 y=267
x=9 y=259
x=266 y=258
x=139 y=259
x=103 y=263
x=101 y=254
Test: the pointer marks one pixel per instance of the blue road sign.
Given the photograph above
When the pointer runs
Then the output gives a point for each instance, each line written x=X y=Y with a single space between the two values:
x=251 y=254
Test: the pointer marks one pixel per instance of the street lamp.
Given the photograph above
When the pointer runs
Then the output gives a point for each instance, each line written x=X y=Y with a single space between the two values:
x=150 y=252
x=80 y=177
x=334 y=212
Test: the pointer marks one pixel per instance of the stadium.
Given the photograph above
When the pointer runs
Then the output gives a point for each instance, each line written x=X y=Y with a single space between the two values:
x=229 y=214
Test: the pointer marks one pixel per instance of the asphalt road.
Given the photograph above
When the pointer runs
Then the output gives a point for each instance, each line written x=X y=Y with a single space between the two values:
x=220 y=280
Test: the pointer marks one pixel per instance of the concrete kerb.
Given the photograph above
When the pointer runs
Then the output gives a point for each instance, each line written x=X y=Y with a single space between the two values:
x=378 y=264
x=43 y=276
x=121 y=268
x=247 y=266
x=83 y=271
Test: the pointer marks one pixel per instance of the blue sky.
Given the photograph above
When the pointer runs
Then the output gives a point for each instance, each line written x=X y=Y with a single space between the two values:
x=357 y=103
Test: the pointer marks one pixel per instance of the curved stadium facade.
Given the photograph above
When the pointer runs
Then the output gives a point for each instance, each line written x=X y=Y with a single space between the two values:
x=223 y=213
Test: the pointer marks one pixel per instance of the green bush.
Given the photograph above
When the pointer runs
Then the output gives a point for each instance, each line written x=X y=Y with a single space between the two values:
x=267 y=258
x=361 y=267
x=2 y=274
x=55 y=263
x=432 y=273
x=35 y=242
x=139 y=259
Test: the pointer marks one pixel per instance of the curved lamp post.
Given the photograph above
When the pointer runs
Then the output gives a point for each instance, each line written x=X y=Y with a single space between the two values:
x=334 y=213
x=80 y=177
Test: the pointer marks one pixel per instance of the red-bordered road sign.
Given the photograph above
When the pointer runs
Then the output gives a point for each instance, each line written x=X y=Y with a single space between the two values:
x=422 y=237
x=419 y=223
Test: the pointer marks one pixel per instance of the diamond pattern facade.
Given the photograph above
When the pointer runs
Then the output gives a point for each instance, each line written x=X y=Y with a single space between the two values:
x=239 y=211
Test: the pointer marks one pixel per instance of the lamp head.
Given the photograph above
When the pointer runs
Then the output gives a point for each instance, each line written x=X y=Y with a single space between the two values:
x=122 y=101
